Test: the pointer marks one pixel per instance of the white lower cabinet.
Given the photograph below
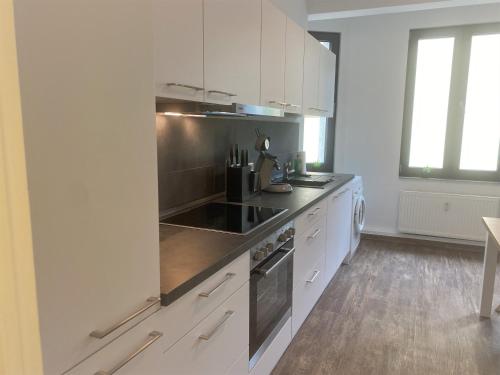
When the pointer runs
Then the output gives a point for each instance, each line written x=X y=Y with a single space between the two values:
x=240 y=367
x=307 y=288
x=339 y=230
x=213 y=346
x=136 y=352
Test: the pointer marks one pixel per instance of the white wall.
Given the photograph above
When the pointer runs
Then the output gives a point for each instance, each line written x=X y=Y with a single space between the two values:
x=295 y=9
x=370 y=105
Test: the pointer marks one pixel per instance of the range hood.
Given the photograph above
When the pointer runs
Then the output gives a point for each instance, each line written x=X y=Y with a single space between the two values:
x=196 y=109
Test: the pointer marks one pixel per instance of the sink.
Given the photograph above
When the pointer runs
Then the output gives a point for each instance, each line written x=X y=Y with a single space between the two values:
x=312 y=180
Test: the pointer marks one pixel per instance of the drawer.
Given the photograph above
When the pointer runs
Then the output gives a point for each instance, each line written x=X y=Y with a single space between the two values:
x=136 y=352
x=308 y=218
x=310 y=247
x=240 y=367
x=307 y=288
x=216 y=343
x=182 y=315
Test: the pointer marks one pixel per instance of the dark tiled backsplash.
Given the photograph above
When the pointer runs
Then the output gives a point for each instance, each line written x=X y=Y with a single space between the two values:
x=192 y=153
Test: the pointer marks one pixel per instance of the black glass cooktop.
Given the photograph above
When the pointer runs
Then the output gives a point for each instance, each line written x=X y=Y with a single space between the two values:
x=225 y=217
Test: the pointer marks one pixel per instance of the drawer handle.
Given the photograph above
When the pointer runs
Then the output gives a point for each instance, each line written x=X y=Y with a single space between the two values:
x=195 y=88
x=153 y=336
x=314 y=211
x=150 y=302
x=221 y=92
x=315 y=234
x=340 y=194
x=315 y=276
x=209 y=335
x=228 y=276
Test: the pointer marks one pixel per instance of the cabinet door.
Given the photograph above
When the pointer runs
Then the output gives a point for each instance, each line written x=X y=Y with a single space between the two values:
x=232 y=30
x=326 y=81
x=88 y=119
x=272 y=80
x=178 y=47
x=294 y=67
x=339 y=230
x=216 y=343
x=311 y=75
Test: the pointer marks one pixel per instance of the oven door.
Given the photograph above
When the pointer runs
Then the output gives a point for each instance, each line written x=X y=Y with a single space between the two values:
x=271 y=286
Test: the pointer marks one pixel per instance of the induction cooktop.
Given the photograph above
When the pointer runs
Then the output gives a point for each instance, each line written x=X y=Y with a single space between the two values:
x=225 y=217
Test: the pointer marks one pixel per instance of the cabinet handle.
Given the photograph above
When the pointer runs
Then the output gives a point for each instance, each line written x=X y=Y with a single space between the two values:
x=226 y=278
x=318 y=109
x=340 y=194
x=221 y=92
x=315 y=234
x=315 y=276
x=314 y=211
x=292 y=105
x=276 y=102
x=195 y=88
x=150 y=302
x=209 y=335
x=155 y=335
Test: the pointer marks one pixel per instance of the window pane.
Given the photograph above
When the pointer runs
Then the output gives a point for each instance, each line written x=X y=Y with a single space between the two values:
x=430 y=104
x=481 y=133
x=314 y=139
x=326 y=44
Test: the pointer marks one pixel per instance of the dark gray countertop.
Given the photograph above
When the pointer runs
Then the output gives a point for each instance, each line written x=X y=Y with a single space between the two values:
x=189 y=256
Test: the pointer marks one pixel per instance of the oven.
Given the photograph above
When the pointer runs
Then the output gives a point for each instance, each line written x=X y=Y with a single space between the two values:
x=271 y=284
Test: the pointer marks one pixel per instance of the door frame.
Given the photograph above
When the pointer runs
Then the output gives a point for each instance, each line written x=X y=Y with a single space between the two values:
x=20 y=351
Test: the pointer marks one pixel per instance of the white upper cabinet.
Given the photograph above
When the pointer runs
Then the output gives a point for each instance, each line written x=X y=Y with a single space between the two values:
x=294 y=67
x=232 y=31
x=86 y=78
x=312 y=53
x=272 y=79
x=319 y=78
x=326 y=81
x=178 y=48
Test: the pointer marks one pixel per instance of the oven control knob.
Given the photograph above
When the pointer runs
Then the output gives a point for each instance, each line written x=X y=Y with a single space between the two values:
x=259 y=255
x=283 y=237
x=291 y=232
x=269 y=248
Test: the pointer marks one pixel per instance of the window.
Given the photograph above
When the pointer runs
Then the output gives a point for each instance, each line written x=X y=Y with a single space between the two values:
x=314 y=140
x=451 y=125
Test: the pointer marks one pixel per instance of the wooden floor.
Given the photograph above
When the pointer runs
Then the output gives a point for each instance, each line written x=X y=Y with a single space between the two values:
x=399 y=309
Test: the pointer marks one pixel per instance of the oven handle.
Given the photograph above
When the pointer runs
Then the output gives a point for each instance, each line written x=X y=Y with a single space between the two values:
x=288 y=254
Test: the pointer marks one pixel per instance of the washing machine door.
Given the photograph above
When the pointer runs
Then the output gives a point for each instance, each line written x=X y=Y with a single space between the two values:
x=359 y=214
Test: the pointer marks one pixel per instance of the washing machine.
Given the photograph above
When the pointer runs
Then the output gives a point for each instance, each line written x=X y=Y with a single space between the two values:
x=358 y=214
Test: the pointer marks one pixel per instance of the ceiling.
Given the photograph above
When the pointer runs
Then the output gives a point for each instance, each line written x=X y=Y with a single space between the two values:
x=328 y=9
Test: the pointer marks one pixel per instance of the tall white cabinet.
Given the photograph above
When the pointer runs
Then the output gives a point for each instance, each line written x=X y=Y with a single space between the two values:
x=87 y=96
x=178 y=49
x=232 y=31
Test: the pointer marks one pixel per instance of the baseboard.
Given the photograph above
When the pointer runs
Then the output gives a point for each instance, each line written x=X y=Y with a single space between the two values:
x=450 y=243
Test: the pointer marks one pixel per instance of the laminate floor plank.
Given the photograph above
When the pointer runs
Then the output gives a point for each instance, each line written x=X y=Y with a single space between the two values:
x=399 y=308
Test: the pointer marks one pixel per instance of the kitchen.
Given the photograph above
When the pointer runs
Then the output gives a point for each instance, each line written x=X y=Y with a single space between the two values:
x=185 y=121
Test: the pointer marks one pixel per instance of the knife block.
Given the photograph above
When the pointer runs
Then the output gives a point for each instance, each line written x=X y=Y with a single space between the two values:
x=238 y=183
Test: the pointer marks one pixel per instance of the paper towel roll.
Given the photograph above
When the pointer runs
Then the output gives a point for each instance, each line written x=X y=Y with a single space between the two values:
x=301 y=157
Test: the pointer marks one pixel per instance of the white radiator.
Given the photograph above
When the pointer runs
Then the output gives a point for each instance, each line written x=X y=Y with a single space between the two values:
x=445 y=215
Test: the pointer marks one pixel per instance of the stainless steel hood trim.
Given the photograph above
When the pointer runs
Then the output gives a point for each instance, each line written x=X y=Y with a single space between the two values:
x=208 y=109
